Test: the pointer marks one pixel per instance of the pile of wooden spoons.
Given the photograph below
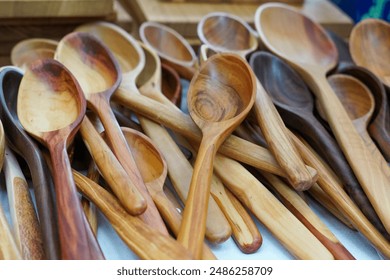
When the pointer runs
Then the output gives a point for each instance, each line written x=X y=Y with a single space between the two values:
x=99 y=120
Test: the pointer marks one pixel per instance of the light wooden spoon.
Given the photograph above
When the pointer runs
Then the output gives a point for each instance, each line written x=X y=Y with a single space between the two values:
x=220 y=96
x=306 y=46
x=51 y=107
x=213 y=31
x=173 y=49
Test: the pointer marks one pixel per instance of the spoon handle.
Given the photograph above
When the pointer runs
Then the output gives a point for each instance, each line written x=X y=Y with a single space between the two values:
x=111 y=170
x=234 y=147
x=290 y=232
x=275 y=133
x=75 y=233
x=24 y=219
x=369 y=172
x=8 y=248
x=180 y=172
x=146 y=242
x=193 y=226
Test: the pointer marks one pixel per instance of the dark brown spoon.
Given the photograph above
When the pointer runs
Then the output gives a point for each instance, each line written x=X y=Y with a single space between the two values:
x=28 y=149
x=296 y=104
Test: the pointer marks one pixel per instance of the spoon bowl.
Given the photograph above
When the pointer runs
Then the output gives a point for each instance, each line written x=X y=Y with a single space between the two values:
x=47 y=85
x=170 y=84
x=220 y=96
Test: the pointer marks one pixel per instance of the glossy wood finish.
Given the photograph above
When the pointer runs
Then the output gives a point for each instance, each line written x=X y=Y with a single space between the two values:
x=274 y=24
x=27 y=232
x=49 y=85
x=131 y=62
x=28 y=50
x=172 y=48
x=213 y=30
x=146 y=242
x=99 y=76
x=28 y=149
x=368 y=44
x=220 y=96
x=296 y=106
x=170 y=84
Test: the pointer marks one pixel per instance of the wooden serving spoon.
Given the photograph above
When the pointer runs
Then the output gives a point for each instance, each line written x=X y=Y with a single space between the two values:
x=368 y=46
x=170 y=84
x=29 y=50
x=296 y=104
x=173 y=49
x=313 y=54
x=213 y=30
x=48 y=84
x=28 y=149
x=99 y=76
x=220 y=96
x=25 y=223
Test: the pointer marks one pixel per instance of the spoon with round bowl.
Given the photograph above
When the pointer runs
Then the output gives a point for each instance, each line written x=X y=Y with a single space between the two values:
x=305 y=45
x=220 y=96
x=47 y=85
x=213 y=31
x=368 y=46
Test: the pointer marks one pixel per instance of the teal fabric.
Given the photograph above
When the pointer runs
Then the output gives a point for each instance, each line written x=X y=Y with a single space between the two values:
x=361 y=9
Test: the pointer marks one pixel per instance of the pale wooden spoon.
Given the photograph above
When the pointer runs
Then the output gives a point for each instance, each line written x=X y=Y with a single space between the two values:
x=213 y=31
x=220 y=96
x=51 y=107
x=306 y=46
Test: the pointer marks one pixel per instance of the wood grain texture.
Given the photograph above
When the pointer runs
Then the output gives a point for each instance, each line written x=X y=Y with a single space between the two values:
x=295 y=103
x=8 y=248
x=25 y=223
x=145 y=241
x=55 y=129
x=220 y=96
x=89 y=208
x=313 y=67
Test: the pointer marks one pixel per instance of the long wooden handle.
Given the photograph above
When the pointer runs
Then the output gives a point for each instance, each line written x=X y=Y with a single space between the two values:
x=193 y=227
x=111 y=170
x=145 y=241
x=279 y=143
x=75 y=233
x=25 y=222
x=341 y=199
x=180 y=172
x=8 y=248
x=368 y=170
x=306 y=215
x=290 y=232
x=234 y=147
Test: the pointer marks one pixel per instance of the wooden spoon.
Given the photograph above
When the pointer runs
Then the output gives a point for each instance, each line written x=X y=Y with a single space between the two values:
x=213 y=30
x=310 y=51
x=48 y=84
x=170 y=84
x=220 y=96
x=28 y=149
x=296 y=104
x=172 y=47
x=99 y=76
x=29 y=50
x=368 y=46
x=25 y=223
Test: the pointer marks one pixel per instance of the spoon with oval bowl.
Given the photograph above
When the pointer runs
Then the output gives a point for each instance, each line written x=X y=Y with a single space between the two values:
x=296 y=104
x=305 y=45
x=170 y=84
x=220 y=96
x=368 y=46
x=48 y=84
x=213 y=31
x=173 y=49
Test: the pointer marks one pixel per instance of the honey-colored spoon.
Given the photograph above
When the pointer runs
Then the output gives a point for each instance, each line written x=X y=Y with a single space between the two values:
x=213 y=30
x=220 y=96
x=173 y=49
x=29 y=50
x=51 y=107
x=368 y=45
x=99 y=75
x=305 y=45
